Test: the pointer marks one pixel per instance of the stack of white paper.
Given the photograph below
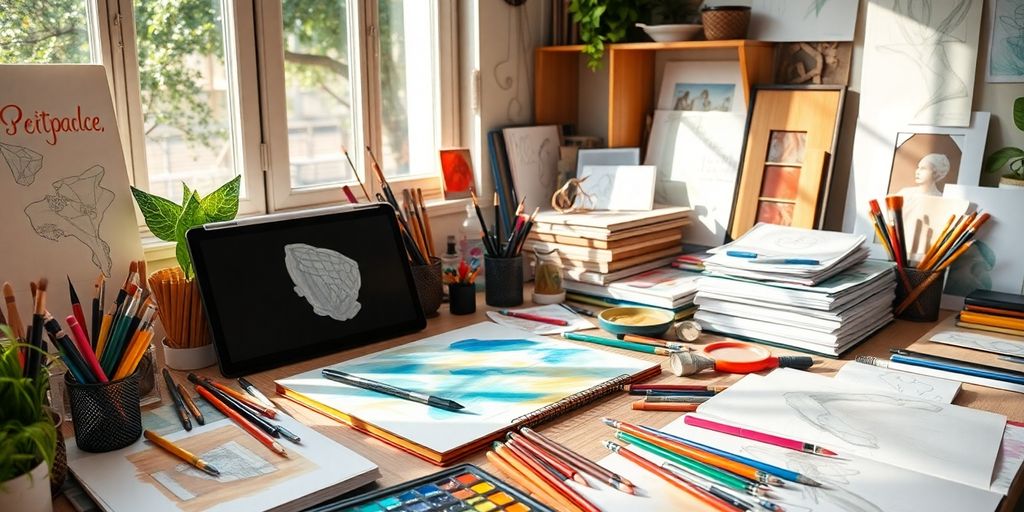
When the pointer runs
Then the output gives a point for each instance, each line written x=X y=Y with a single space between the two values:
x=666 y=287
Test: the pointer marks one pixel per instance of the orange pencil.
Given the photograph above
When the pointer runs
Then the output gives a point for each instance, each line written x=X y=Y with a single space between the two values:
x=581 y=463
x=939 y=239
x=644 y=405
x=675 y=481
x=519 y=465
x=260 y=408
x=965 y=236
x=562 y=485
x=242 y=422
x=521 y=479
x=538 y=452
x=525 y=463
x=954 y=235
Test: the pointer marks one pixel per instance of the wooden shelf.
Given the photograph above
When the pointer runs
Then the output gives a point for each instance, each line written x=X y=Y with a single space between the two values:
x=630 y=68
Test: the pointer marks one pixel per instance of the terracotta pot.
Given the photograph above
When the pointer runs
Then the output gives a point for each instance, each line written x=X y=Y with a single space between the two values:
x=1008 y=182
x=29 y=492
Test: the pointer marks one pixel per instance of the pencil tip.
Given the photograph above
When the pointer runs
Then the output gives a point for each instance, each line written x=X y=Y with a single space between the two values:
x=807 y=481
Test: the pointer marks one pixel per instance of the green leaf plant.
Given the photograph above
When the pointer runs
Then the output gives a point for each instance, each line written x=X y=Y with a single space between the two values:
x=27 y=433
x=609 y=21
x=1010 y=157
x=169 y=221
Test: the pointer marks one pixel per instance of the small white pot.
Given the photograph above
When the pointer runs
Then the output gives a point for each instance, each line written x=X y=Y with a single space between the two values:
x=1008 y=182
x=189 y=358
x=29 y=492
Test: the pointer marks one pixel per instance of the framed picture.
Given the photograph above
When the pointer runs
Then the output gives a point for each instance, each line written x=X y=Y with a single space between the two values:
x=786 y=170
x=456 y=172
x=702 y=86
x=1006 y=41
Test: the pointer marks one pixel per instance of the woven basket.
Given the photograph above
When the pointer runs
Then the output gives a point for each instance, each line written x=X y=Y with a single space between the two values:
x=725 y=22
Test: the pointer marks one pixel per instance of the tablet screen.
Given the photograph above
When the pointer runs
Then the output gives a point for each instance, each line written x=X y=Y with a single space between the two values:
x=284 y=290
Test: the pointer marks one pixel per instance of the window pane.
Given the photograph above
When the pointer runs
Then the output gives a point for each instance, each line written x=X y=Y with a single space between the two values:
x=188 y=95
x=318 y=90
x=407 y=82
x=45 y=31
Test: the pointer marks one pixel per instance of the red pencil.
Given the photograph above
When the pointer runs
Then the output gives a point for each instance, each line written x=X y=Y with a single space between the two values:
x=349 y=195
x=85 y=348
x=673 y=387
x=552 y=460
x=535 y=318
x=254 y=431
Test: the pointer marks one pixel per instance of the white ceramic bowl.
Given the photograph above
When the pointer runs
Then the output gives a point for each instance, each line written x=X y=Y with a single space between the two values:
x=670 y=33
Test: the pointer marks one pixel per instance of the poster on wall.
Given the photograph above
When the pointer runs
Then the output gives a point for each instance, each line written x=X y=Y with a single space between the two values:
x=64 y=196
x=1006 y=41
x=798 y=20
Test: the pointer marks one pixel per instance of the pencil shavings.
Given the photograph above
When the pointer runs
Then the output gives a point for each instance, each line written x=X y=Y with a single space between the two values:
x=327 y=279
x=24 y=163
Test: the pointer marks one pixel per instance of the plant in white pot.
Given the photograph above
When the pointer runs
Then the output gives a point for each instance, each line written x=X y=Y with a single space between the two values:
x=187 y=344
x=28 y=437
x=1010 y=157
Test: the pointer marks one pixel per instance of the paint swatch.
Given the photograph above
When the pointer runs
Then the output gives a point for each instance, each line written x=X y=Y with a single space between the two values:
x=461 y=488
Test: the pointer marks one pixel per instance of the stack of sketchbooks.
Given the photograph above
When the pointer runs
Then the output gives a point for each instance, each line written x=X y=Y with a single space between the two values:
x=600 y=247
x=792 y=304
x=693 y=261
x=666 y=288
x=986 y=310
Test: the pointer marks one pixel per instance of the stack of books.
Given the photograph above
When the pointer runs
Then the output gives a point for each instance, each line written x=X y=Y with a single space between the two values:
x=813 y=291
x=601 y=247
x=694 y=261
x=986 y=310
x=666 y=288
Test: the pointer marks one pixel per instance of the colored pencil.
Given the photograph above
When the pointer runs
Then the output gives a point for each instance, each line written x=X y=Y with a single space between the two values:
x=913 y=294
x=694 y=491
x=943 y=234
x=966 y=236
x=76 y=307
x=668 y=392
x=255 y=432
x=677 y=399
x=956 y=365
x=704 y=457
x=181 y=453
x=85 y=349
x=539 y=452
x=538 y=492
x=254 y=405
x=255 y=393
x=579 y=462
x=644 y=405
x=674 y=387
x=190 y=404
x=645 y=340
x=72 y=359
x=179 y=402
x=883 y=229
x=754 y=435
x=559 y=480
x=244 y=410
x=609 y=342
x=541 y=480
x=947 y=246
x=734 y=498
x=533 y=317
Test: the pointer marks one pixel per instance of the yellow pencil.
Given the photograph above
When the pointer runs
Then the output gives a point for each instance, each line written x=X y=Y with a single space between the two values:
x=938 y=240
x=181 y=453
x=104 y=331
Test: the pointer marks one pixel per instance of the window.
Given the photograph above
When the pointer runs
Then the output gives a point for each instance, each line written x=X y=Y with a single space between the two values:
x=271 y=91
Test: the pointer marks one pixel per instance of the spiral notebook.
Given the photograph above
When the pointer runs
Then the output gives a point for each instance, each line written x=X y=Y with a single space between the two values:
x=505 y=377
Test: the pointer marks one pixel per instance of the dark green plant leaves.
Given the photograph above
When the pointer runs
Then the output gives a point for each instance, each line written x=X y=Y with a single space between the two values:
x=998 y=159
x=192 y=215
x=222 y=204
x=27 y=434
x=161 y=215
x=1018 y=113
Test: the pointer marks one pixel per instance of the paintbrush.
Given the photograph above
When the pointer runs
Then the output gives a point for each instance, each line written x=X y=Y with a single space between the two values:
x=12 y=312
x=76 y=306
x=356 y=174
x=97 y=308
x=895 y=206
x=36 y=336
x=483 y=225
x=425 y=218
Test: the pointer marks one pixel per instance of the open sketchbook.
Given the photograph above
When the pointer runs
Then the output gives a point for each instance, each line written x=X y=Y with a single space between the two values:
x=252 y=477
x=505 y=377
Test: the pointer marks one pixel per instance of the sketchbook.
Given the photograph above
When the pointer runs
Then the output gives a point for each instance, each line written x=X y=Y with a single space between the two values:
x=609 y=222
x=505 y=377
x=252 y=477
x=665 y=287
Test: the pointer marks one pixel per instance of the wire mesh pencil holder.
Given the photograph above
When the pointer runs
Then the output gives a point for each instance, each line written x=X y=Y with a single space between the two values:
x=924 y=308
x=429 y=285
x=504 y=276
x=106 y=417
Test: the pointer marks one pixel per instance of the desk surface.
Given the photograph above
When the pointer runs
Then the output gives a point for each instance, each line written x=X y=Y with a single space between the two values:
x=582 y=430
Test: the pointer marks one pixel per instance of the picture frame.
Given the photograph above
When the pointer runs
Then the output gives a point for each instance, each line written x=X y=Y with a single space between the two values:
x=1004 y=65
x=788 y=156
x=456 y=172
x=702 y=86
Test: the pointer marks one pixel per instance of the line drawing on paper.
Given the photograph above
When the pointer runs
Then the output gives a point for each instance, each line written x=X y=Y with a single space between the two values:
x=76 y=209
x=533 y=155
x=814 y=7
x=833 y=472
x=328 y=280
x=909 y=384
x=1006 y=51
x=923 y=38
x=24 y=163
x=980 y=342
x=813 y=409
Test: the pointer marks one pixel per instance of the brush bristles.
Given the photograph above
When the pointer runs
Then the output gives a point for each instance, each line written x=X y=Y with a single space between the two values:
x=894 y=202
x=40 y=308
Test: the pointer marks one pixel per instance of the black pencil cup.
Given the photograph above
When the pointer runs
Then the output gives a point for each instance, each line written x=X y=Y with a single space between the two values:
x=503 y=281
x=429 y=286
x=925 y=308
x=462 y=298
x=106 y=417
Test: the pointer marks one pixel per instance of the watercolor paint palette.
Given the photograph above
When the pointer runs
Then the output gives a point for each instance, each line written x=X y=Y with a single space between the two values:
x=463 y=488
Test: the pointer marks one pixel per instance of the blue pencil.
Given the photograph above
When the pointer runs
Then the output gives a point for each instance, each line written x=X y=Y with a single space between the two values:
x=783 y=473
x=956 y=368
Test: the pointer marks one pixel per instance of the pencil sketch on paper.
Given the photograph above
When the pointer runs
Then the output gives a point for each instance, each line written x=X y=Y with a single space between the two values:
x=24 y=163
x=328 y=280
x=75 y=209
x=814 y=409
x=908 y=384
x=1006 y=48
x=980 y=342
x=834 y=473
x=924 y=33
x=533 y=153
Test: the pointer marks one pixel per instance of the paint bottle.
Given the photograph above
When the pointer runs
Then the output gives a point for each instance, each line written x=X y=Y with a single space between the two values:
x=450 y=259
x=470 y=243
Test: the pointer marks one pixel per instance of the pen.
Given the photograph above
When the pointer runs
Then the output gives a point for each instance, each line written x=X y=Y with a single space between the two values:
x=768 y=260
x=179 y=403
x=578 y=310
x=380 y=387
x=241 y=422
x=191 y=404
x=532 y=317
x=181 y=453
x=255 y=393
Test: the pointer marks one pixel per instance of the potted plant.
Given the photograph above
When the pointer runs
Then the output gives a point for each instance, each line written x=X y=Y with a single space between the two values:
x=187 y=345
x=1010 y=157
x=28 y=437
x=610 y=21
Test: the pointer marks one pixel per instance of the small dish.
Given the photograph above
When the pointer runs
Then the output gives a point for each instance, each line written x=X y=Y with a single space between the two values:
x=635 y=320
x=672 y=33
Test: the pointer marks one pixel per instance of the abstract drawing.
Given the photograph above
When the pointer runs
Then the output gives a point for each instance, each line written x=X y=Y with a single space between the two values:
x=75 y=209
x=24 y=163
x=457 y=172
x=813 y=409
x=801 y=20
x=327 y=279
x=1006 y=42
x=983 y=342
x=836 y=474
x=533 y=153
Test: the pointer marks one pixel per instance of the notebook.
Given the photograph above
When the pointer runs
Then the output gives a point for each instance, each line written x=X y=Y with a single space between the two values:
x=505 y=377
x=252 y=477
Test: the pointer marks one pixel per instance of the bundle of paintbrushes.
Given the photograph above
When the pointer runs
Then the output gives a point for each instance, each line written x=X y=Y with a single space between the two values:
x=181 y=309
x=953 y=241
x=412 y=216
x=464 y=274
x=496 y=244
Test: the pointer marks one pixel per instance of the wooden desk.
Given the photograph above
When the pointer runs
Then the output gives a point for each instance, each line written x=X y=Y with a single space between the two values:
x=582 y=430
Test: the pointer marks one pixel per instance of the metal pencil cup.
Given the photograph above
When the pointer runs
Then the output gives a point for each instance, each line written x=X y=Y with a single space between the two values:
x=504 y=281
x=925 y=308
x=106 y=417
x=429 y=285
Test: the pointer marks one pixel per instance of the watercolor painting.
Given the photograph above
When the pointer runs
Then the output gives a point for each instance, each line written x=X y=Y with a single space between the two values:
x=1006 y=41
x=703 y=97
x=457 y=172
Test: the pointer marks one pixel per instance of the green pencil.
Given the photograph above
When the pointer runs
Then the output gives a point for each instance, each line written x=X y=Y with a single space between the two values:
x=609 y=342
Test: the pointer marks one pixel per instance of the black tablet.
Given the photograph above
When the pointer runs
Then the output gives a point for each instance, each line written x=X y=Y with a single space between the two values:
x=287 y=287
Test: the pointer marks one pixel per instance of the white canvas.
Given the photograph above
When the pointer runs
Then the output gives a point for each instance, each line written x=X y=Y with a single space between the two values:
x=993 y=263
x=946 y=441
x=1006 y=41
x=873 y=162
x=606 y=156
x=533 y=161
x=702 y=86
x=803 y=20
x=64 y=196
x=698 y=157
x=617 y=187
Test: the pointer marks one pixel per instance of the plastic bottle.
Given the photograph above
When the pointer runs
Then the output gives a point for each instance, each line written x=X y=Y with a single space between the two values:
x=470 y=245
x=451 y=258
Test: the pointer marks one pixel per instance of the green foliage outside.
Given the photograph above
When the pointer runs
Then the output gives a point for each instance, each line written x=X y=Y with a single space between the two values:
x=27 y=433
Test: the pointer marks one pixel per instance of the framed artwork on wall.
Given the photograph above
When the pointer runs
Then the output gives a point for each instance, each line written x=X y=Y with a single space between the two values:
x=788 y=155
x=456 y=172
